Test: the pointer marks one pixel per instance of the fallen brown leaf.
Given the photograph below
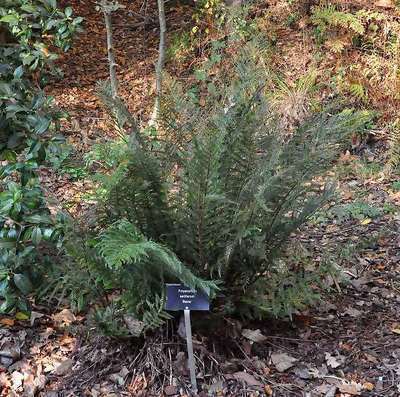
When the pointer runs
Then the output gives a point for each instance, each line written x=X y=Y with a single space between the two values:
x=268 y=390
x=385 y=4
x=34 y=316
x=65 y=317
x=353 y=389
x=17 y=379
x=170 y=390
x=247 y=378
x=368 y=386
x=334 y=361
x=8 y=322
x=64 y=367
x=254 y=335
x=282 y=361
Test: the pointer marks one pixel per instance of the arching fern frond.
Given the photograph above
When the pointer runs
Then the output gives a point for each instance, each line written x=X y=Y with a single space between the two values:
x=124 y=244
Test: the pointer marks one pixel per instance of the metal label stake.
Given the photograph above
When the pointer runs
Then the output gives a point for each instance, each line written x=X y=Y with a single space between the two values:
x=189 y=341
x=180 y=297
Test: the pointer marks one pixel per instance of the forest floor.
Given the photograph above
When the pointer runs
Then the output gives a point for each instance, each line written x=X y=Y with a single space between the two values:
x=348 y=345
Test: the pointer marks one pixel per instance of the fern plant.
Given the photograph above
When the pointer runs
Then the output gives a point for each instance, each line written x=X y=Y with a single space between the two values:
x=394 y=147
x=214 y=194
x=358 y=91
x=357 y=210
x=328 y=16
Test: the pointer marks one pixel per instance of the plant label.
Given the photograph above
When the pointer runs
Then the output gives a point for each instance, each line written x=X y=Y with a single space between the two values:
x=180 y=297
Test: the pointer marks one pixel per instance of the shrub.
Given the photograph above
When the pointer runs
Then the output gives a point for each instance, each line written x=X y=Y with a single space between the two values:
x=27 y=134
x=214 y=194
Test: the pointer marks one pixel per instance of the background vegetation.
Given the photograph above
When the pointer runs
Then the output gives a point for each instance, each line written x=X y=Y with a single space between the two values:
x=28 y=128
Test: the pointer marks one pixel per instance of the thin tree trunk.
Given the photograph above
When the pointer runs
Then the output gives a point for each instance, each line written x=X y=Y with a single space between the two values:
x=110 y=52
x=160 y=62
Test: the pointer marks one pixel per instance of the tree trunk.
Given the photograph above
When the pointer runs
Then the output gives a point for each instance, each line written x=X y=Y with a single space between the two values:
x=110 y=52
x=160 y=62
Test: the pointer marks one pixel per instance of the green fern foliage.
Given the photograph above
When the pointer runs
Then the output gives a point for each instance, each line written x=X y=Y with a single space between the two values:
x=358 y=91
x=123 y=244
x=214 y=194
x=329 y=16
x=155 y=315
x=394 y=147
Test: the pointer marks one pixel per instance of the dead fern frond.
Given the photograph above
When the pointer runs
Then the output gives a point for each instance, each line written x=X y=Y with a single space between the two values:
x=292 y=101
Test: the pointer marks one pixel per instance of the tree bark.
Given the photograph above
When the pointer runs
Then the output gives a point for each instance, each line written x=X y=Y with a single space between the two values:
x=160 y=62
x=110 y=52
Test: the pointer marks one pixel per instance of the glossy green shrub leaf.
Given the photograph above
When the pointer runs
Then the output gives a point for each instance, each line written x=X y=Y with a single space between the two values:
x=9 y=155
x=23 y=283
x=36 y=235
x=68 y=12
x=3 y=285
x=11 y=19
x=42 y=125
x=38 y=218
x=9 y=303
x=48 y=233
x=18 y=72
x=29 y=8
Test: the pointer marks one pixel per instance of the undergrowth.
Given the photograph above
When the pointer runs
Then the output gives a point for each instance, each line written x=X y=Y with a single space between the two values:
x=209 y=199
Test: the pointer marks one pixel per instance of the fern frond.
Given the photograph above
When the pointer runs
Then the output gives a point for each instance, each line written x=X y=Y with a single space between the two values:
x=136 y=190
x=328 y=15
x=394 y=148
x=202 y=199
x=358 y=91
x=123 y=244
x=154 y=315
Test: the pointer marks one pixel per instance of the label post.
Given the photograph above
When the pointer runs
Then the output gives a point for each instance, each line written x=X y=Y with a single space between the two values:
x=181 y=297
x=188 y=328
